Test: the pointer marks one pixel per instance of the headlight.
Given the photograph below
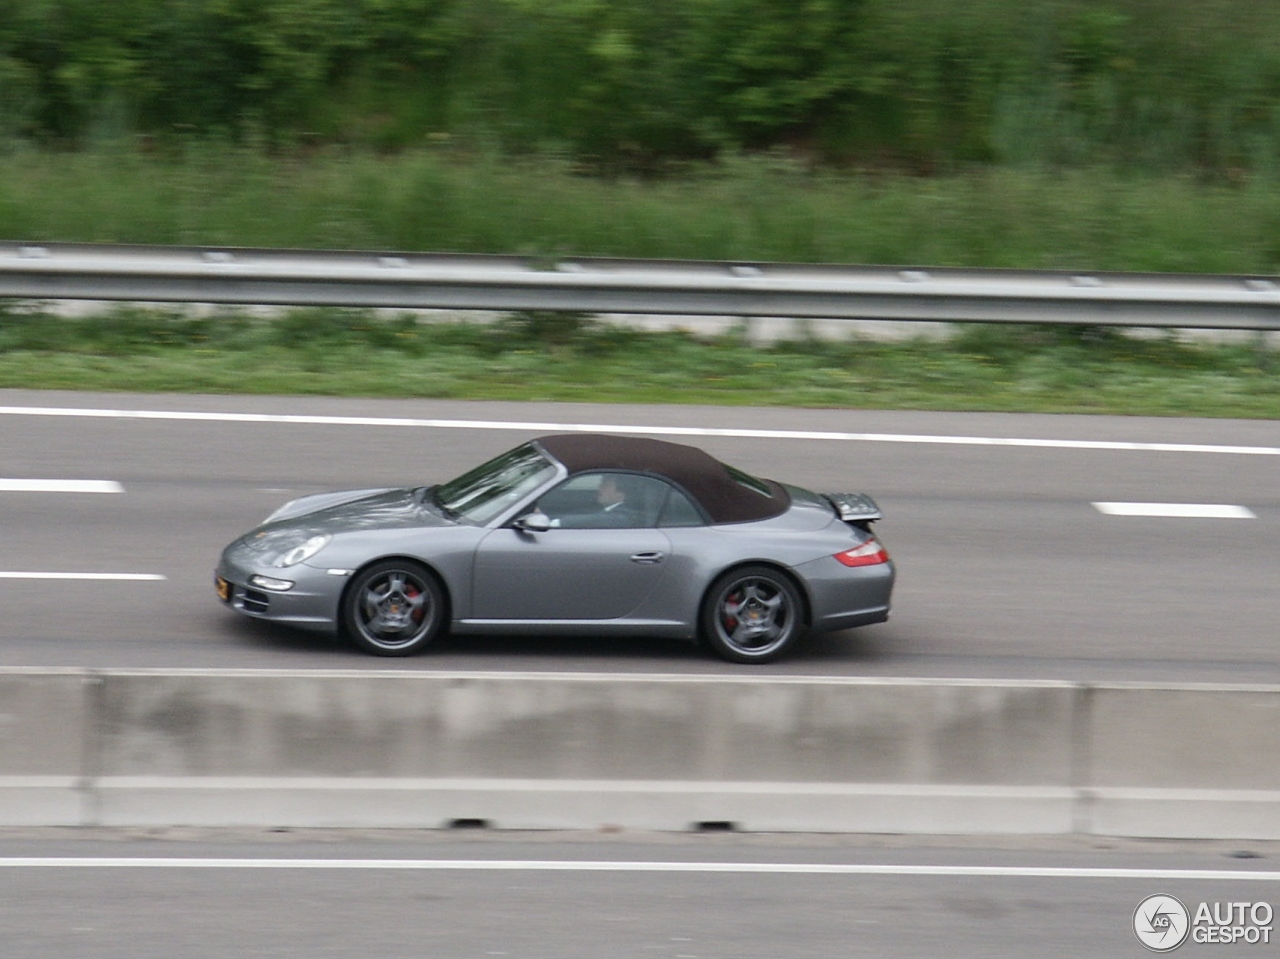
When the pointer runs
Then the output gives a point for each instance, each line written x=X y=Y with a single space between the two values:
x=303 y=552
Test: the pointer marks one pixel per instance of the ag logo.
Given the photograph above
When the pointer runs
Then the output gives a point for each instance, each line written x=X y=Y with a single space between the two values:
x=1161 y=923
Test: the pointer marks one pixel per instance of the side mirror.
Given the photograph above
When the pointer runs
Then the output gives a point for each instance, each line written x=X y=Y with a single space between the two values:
x=535 y=522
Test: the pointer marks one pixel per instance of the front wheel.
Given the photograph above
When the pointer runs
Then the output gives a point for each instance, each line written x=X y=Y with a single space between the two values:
x=752 y=615
x=393 y=608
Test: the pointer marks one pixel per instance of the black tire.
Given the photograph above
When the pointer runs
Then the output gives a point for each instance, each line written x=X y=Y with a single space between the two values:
x=753 y=614
x=395 y=607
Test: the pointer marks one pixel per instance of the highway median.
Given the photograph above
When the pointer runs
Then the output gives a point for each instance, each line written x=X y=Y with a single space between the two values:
x=271 y=748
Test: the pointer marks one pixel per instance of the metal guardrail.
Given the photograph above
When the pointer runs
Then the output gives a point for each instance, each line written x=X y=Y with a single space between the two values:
x=603 y=285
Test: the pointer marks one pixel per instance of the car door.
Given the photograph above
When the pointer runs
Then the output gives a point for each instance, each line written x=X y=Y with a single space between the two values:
x=599 y=561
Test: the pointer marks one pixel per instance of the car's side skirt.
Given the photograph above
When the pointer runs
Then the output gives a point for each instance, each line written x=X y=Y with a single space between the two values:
x=577 y=627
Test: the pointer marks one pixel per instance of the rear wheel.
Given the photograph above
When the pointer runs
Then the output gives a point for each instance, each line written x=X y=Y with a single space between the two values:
x=393 y=608
x=752 y=615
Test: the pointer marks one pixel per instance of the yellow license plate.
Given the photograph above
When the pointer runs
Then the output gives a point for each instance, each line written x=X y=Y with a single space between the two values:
x=224 y=588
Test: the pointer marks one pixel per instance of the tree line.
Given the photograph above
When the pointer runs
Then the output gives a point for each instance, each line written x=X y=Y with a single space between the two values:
x=641 y=85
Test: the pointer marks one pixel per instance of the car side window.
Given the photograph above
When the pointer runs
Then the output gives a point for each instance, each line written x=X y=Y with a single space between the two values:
x=605 y=501
x=678 y=510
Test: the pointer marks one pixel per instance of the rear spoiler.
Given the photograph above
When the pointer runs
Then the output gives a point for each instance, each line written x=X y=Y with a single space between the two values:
x=854 y=507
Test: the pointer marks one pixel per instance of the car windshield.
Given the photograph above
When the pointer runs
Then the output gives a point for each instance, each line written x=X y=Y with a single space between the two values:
x=488 y=490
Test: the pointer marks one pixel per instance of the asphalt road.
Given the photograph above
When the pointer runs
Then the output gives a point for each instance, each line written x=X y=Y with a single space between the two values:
x=1006 y=568
x=574 y=896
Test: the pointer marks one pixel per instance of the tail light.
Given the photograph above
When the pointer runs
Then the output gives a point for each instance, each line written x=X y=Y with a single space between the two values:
x=869 y=553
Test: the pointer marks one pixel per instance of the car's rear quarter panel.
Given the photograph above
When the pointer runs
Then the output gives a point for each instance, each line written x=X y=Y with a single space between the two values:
x=802 y=541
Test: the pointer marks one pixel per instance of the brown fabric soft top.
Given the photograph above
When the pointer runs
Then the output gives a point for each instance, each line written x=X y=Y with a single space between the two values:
x=701 y=475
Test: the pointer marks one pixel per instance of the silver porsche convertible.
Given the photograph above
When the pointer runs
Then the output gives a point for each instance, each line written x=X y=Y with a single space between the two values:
x=571 y=534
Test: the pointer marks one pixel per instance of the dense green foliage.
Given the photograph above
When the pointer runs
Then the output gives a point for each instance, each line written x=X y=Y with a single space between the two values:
x=1069 y=134
x=538 y=356
x=920 y=85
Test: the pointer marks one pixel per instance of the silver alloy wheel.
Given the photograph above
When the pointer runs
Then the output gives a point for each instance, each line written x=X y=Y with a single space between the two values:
x=393 y=608
x=753 y=615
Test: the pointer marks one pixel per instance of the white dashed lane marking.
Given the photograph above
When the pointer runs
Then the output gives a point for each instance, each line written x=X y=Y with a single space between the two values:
x=59 y=486
x=70 y=486
x=1177 y=510
x=125 y=577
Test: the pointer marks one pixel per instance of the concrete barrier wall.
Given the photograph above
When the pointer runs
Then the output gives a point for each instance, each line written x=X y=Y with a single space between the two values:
x=44 y=719
x=269 y=748
x=1186 y=762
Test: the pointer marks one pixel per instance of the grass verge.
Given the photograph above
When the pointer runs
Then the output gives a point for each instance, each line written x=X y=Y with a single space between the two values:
x=541 y=356
x=758 y=208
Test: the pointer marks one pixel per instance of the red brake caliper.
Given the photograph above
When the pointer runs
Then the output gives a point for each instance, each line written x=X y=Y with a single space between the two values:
x=411 y=594
x=731 y=621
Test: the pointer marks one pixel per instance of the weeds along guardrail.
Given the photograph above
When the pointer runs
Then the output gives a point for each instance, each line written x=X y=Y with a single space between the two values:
x=603 y=285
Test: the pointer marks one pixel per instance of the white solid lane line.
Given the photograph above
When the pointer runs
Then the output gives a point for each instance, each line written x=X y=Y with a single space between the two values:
x=832 y=436
x=59 y=486
x=125 y=577
x=541 y=865
x=1177 y=510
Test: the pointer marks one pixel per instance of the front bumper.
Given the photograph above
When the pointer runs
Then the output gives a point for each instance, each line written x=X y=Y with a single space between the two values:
x=312 y=602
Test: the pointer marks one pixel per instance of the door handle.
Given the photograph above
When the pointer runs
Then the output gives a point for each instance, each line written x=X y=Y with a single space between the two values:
x=648 y=558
